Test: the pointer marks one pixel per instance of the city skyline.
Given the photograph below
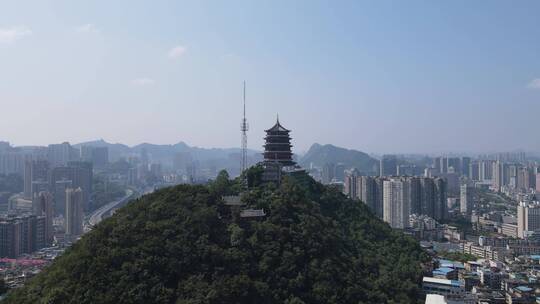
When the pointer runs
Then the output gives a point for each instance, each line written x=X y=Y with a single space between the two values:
x=97 y=143
x=186 y=151
x=422 y=77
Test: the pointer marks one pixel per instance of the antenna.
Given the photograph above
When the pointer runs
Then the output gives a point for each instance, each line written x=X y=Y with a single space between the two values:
x=244 y=127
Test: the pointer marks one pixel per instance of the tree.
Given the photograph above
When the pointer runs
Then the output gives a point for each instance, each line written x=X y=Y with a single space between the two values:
x=178 y=245
x=222 y=183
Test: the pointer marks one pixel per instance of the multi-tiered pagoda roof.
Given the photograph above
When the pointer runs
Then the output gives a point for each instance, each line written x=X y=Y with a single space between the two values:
x=277 y=147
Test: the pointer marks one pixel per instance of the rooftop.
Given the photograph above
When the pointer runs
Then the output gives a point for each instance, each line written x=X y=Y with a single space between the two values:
x=441 y=281
x=450 y=264
x=435 y=299
x=443 y=270
x=524 y=288
x=233 y=200
x=277 y=128
x=252 y=213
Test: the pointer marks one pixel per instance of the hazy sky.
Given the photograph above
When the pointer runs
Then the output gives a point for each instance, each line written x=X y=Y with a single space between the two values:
x=379 y=76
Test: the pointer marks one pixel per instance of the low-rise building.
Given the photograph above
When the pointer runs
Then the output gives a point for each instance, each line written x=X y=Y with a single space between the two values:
x=491 y=278
x=442 y=287
x=510 y=230
x=485 y=252
x=445 y=273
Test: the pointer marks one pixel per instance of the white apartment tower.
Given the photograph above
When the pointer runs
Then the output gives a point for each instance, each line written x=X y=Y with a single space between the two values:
x=465 y=201
x=528 y=218
x=396 y=202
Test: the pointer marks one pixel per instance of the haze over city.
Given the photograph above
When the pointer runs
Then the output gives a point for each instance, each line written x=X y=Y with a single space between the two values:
x=297 y=152
x=381 y=77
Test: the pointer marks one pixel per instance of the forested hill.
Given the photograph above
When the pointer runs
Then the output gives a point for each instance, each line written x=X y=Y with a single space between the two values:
x=183 y=245
x=320 y=155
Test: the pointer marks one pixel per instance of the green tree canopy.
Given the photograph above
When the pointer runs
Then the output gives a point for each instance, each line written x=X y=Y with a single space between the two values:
x=183 y=245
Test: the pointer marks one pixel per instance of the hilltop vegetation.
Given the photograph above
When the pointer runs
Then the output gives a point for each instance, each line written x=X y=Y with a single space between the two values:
x=183 y=245
x=320 y=155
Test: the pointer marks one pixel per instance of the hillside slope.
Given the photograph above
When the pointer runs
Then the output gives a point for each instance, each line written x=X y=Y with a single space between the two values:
x=182 y=245
x=319 y=155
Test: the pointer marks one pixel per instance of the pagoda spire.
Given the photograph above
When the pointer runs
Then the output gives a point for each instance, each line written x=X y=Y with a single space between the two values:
x=277 y=148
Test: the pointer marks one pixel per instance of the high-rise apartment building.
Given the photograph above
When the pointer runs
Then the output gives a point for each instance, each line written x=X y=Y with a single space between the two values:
x=80 y=175
x=415 y=194
x=437 y=161
x=427 y=197
x=455 y=163
x=61 y=154
x=474 y=171
x=465 y=166
x=444 y=165
x=13 y=162
x=31 y=233
x=351 y=184
x=525 y=178
x=60 y=188
x=21 y=234
x=498 y=175
x=369 y=189
x=424 y=195
x=433 y=194
x=377 y=190
x=396 y=202
x=388 y=165
x=82 y=178
x=441 y=192
x=485 y=170
x=86 y=153
x=10 y=238
x=74 y=212
x=36 y=173
x=45 y=208
x=408 y=170
x=465 y=200
x=98 y=156
x=528 y=215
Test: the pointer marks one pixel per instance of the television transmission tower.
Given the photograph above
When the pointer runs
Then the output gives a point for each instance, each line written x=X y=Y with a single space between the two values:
x=244 y=127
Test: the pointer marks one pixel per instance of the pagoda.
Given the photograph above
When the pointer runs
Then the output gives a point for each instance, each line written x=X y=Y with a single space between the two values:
x=277 y=147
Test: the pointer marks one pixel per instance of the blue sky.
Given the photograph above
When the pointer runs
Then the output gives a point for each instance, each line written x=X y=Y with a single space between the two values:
x=378 y=76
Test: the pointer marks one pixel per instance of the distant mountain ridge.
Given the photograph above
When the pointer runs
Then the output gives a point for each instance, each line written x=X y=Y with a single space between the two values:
x=227 y=158
x=115 y=150
x=319 y=155
x=158 y=150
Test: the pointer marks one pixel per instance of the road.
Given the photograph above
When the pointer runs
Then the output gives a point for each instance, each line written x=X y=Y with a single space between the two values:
x=97 y=215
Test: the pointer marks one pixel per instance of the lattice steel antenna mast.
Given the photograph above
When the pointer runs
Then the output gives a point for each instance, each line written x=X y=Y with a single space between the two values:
x=244 y=128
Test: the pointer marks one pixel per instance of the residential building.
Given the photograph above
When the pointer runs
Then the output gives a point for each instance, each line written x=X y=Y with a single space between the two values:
x=388 y=165
x=465 y=201
x=74 y=212
x=442 y=287
x=351 y=183
x=528 y=215
x=396 y=202
x=35 y=171
x=45 y=208
x=465 y=166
